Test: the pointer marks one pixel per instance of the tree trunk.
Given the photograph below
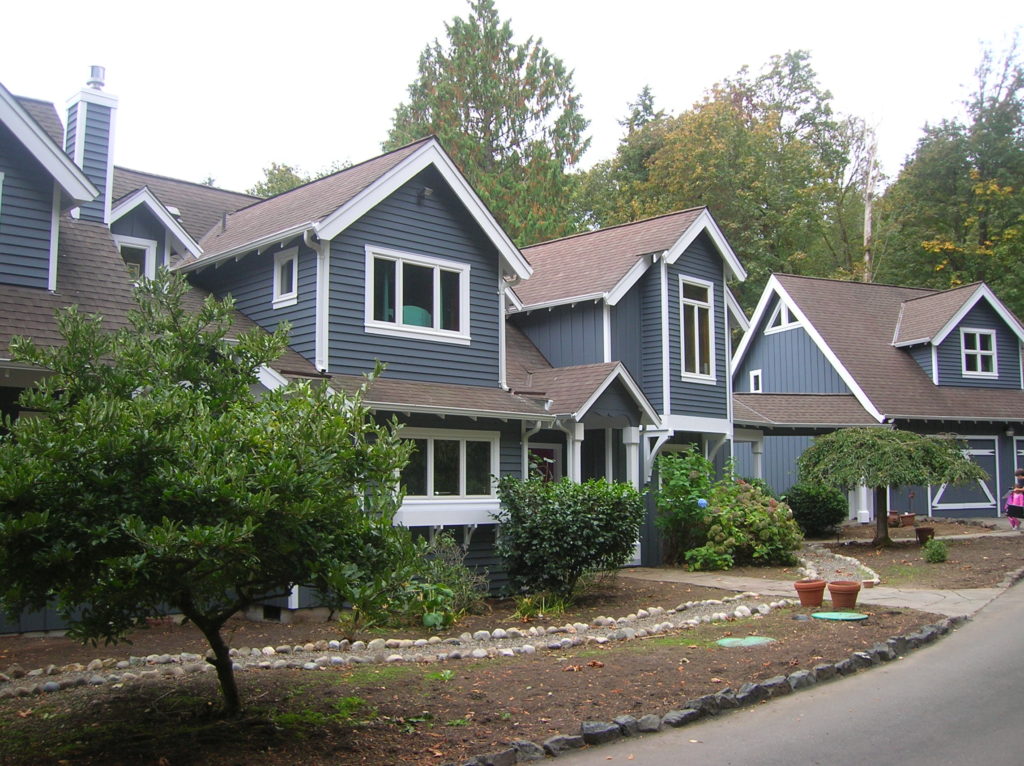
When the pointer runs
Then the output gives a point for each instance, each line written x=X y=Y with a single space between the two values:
x=221 y=659
x=882 y=538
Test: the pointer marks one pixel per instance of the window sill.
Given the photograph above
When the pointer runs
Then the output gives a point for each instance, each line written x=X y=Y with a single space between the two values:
x=285 y=301
x=416 y=333
x=981 y=375
x=433 y=511
x=706 y=380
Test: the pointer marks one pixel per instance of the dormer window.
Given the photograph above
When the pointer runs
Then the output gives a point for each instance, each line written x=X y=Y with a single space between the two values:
x=139 y=256
x=697 y=333
x=286 y=278
x=781 y=319
x=416 y=296
x=755 y=382
x=978 y=353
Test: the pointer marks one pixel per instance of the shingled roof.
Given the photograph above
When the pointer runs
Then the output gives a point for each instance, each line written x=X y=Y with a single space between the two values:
x=857 y=321
x=45 y=113
x=800 y=410
x=922 y=318
x=593 y=263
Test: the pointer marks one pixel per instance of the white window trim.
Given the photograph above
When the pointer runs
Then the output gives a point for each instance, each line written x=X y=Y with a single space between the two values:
x=710 y=305
x=414 y=506
x=282 y=300
x=398 y=330
x=980 y=354
x=1 y=191
x=789 y=321
x=149 y=245
x=756 y=382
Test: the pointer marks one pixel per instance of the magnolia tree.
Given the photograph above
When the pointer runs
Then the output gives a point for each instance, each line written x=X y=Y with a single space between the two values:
x=155 y=477
x=880 y=458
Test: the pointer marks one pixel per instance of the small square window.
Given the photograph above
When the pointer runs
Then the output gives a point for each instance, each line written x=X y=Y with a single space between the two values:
x=286 y=278
x=978 y=353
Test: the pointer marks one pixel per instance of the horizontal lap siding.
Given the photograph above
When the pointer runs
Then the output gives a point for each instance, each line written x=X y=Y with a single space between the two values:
x=438 y=226
x=981 y=317
x=790 y=363
x=26 y=203
x=923 y=356
x=708 y=400
x=649 y=290
x=95 y=160
x=627 y=333
x=251 y=283
x=567 y=335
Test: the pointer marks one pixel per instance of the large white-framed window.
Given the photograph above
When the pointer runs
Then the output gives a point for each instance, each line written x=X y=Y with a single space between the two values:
x=697 y=328
x=286 y=278
x=139 y=255
x=451 y=464
x=756 y=380
x=419 y=296
x=781 y=319
x=978 y=353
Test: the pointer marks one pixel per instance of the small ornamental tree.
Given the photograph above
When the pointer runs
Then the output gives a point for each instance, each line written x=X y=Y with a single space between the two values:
x=882 y=457
x=156 y=477
x=553 y=532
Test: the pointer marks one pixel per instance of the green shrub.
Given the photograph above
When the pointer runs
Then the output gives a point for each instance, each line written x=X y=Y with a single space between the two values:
x=745 y=527
x=443 y=563
x=686 y=479
x=554 y=532
x=818 y=509
x=936 y=551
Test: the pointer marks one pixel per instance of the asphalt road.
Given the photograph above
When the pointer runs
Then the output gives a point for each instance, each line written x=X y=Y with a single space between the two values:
x=957 y=701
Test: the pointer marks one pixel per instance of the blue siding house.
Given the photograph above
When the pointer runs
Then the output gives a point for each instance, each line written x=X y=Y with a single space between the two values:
x=822 y=354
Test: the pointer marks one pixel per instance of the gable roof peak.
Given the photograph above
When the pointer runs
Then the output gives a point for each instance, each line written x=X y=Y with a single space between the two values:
x=614 y=227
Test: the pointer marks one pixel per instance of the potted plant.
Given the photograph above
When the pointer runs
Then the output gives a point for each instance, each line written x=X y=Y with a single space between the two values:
x=907 y=519
x=810 y=590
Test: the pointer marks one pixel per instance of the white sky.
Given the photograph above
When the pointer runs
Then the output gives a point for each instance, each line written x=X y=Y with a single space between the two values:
x=223 y=89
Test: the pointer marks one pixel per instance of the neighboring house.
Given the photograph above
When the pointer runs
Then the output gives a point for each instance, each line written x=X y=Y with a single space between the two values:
x=822 y=354
x=646 y=304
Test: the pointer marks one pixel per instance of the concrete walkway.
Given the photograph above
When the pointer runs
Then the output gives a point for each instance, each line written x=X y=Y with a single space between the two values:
x=952 y=603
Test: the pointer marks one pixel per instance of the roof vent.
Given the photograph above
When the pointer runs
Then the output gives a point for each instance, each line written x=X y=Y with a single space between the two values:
x=96 y=77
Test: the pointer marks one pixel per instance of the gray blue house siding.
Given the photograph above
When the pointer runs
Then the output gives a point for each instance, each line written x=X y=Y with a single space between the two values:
x=922 y=354
x=567 y=335
x=26 y=204
x=627 y=331
x=709 y=400
x=96 y=152
x=981 y=317
x=790 y=363
x=651 y=347
x=141 y=223
x=251 y=283
x=435 y=226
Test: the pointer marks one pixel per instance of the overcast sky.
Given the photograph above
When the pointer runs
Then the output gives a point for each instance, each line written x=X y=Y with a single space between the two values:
x=223 y=89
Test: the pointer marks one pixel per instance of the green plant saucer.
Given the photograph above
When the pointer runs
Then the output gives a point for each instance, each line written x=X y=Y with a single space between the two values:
x=839 y=616
x=731 y=643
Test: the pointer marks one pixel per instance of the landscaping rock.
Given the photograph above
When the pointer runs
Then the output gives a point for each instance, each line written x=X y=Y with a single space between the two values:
x=527 y=751
x=627 y=724
x=777 y=686
x=824 y=671
x=677 y=718
x=501 y=758
x=801 y=679
x=751 y=694
x=648 y=723
x=562 y=743
x=599 y=732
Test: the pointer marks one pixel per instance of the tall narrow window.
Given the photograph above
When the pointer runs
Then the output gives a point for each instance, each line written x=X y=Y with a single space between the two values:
x=417 y=296
x=696 y=308
x=978 y=353
x=286 y=278
x=755 y=382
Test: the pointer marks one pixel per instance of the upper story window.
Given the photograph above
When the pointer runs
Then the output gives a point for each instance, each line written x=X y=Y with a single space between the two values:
x=286 y=278
x=139 y=256
x=416 y=296
x=755 y=382
x=782 y=319
x=450 y=464
x=978 y=353
x=697 y=328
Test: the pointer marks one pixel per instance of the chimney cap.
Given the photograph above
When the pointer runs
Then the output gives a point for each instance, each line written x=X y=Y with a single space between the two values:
x=97 y=74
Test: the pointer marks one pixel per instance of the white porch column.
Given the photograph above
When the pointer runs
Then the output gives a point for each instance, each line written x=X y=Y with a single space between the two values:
x=631 y=440
x=860 y=506
x=609 y=454
x=757 y=449
x=576 y=452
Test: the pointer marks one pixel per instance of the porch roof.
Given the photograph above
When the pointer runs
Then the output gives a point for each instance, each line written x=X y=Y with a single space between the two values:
x=823 y=411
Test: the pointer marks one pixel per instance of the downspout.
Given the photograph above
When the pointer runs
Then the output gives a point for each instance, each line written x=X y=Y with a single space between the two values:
x=502 y=367
x=526 y=448
x=321 y=352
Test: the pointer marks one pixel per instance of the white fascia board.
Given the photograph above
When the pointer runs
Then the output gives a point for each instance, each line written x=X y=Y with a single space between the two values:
x=562 y=302
x=696 y=424
x=736 y=310
x=619 y=372
x=71 y=178
x=271 y=239
x=632 y=276
x=271 y=379
x=914 y=342
x=706 y=222
x=429 y=154
x=771 y=289
x=982 y=292
x=454 y=411
x=824 y=348
x=515 y=305
x=145 y=197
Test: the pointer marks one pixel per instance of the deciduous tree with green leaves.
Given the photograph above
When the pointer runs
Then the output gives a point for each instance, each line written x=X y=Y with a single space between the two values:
x=509 y=116
x=881 y=457
x=153 y=476
x=279 y=177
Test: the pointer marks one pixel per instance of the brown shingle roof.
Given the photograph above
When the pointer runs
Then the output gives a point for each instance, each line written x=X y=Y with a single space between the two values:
x=201 y=206
x=569 y=388
x=857 y=322
x=308 y=203
x=522 y=358
x=594 y=262
x=922 y=318
x=45 y=113
x=808 y=410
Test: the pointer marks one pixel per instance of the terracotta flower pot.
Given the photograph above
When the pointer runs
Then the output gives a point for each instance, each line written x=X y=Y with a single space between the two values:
x=894 y=518
x=843 y=593
x=907 y=519
x=811 y=592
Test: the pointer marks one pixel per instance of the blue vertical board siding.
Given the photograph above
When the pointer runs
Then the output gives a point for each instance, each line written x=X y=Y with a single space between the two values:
x=96 y=157
x=567 y=335
x=710 y=400
x=437 y=226
x=627 y=333
x=779 y=460
x=923 y=356
x=26 y=205
x=251 y=283
x=790 y=363
x=981 y=317
x=614 y=407
x=651 y=351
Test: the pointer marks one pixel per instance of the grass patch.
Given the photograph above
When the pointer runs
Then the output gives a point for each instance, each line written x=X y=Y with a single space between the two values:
x=372 y=675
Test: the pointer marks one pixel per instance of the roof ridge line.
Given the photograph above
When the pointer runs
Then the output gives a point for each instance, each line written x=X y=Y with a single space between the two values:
x=615 y=226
